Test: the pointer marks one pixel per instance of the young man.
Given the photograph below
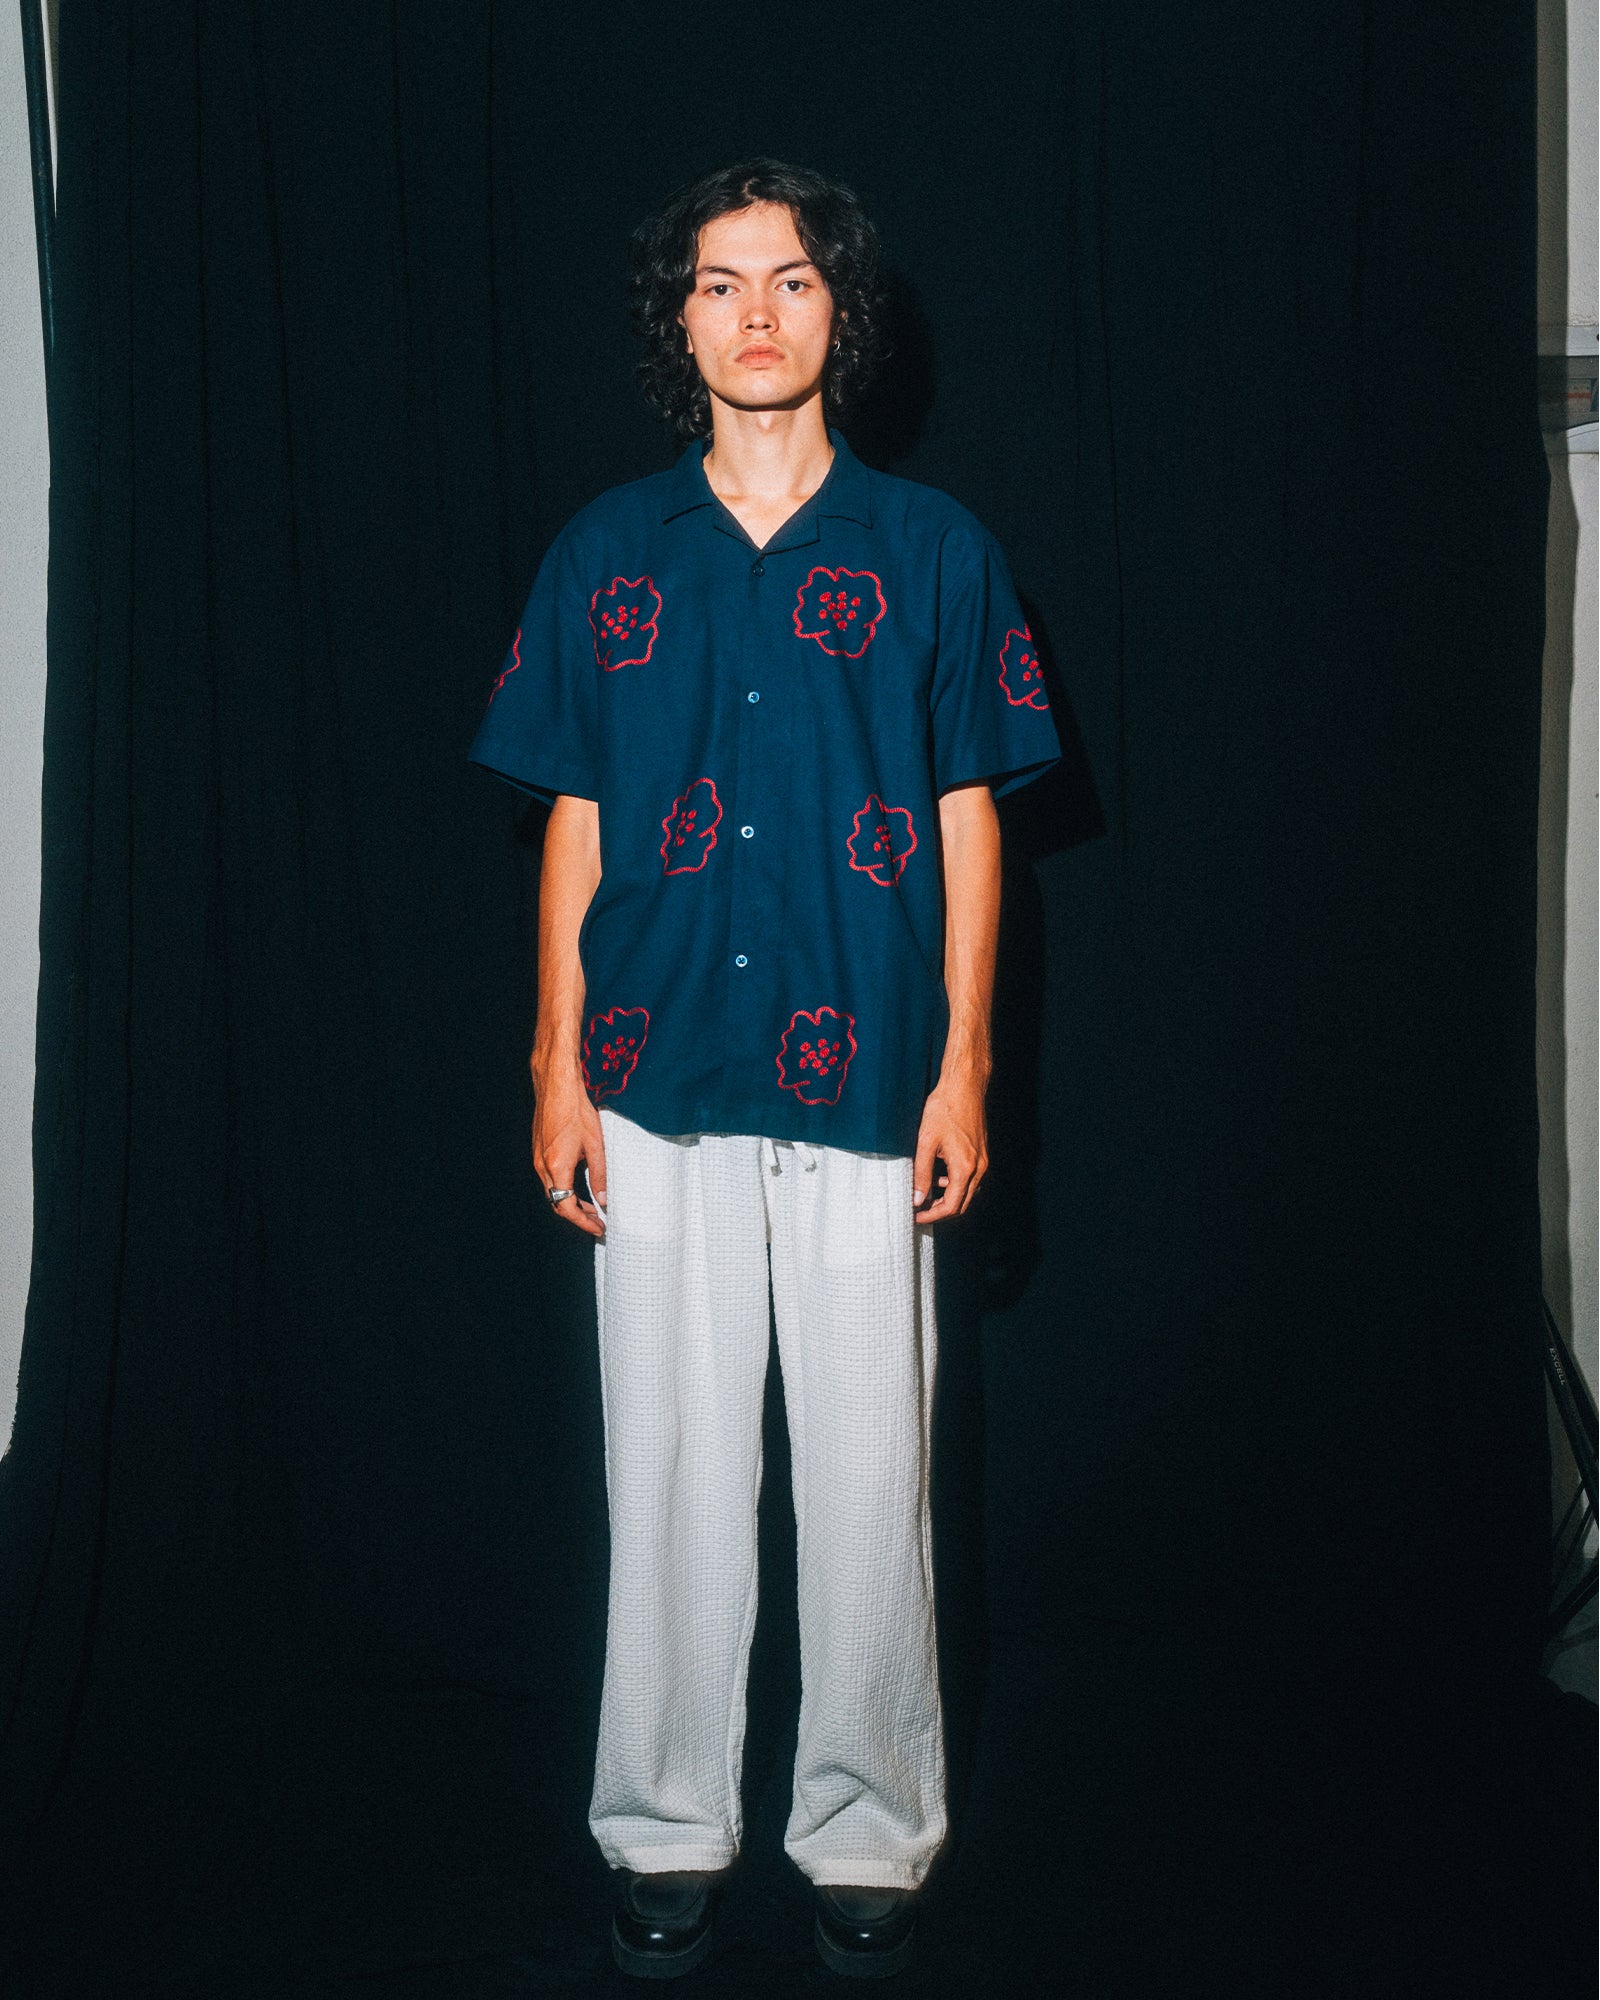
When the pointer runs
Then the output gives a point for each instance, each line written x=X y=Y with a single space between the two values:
x=771 y=697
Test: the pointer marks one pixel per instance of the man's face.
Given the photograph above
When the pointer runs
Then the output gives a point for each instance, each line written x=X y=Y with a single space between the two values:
x=760 y=317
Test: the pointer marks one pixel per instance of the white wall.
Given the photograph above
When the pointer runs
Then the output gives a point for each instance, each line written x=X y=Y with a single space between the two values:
x=1567 y=109
x=1569 y=997
x=1569 y=945
x=24 y=501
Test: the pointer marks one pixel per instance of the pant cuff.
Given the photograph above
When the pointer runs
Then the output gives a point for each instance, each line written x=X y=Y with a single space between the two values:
x=646 y=1860
x=862 y=1875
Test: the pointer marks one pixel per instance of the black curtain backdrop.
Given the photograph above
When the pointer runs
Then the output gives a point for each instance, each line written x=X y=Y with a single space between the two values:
x=1222 y=318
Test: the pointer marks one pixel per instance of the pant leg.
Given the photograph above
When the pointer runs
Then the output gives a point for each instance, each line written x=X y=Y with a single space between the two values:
x=681 y=1293
x=852 y=1277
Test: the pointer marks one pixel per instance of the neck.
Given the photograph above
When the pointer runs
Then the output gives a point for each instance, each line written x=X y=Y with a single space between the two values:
x=768 y=454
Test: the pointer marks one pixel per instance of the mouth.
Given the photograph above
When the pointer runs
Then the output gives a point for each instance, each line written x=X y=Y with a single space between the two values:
x=760 y=354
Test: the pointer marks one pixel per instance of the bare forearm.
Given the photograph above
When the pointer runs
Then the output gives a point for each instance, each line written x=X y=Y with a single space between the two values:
x=953 y=1125
x=567 y=882
x=566 y=1127
x=970 y=830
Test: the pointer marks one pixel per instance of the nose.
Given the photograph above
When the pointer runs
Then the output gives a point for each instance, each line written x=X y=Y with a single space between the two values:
x=758 y=316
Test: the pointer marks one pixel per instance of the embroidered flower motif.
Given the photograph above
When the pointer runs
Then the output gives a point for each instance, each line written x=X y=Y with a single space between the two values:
x=882 y=840
x=840 y=609
x=1020 y=675
x=691 y=828
x=623 y=617
x=611 y=1049
x=507 y=672
x=815 y=1053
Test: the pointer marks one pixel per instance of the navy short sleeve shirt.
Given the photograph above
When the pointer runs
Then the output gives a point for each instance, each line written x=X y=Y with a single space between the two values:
x=767 y=732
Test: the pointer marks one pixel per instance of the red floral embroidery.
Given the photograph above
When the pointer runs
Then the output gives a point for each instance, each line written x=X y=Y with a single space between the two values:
x=840 y=609
x=623 y=617
x=611 y=1049
x=507 y=672
x=691 y=828
x=1019 y=671
x=815 y=1053
x=882 y=840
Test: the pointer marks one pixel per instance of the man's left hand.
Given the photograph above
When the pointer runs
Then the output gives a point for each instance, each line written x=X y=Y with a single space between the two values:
x=952 y=1131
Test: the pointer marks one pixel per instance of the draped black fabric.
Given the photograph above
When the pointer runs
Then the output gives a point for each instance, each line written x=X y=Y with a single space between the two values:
x=1222 y=319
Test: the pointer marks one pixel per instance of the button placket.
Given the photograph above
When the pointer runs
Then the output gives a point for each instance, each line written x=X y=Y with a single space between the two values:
x=739 y=913
x=754 y=913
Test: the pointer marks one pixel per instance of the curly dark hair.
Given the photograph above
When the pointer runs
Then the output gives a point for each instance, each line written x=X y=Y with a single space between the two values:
x=838 y=237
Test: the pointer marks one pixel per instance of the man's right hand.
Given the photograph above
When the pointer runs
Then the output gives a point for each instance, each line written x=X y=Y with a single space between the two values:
x=566 y=1129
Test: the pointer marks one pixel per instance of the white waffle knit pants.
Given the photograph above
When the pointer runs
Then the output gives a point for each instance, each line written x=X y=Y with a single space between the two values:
x=681 y=1286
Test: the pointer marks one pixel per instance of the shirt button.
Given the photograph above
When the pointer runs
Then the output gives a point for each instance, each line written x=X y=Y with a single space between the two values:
x=741 y=960
x=752 y=696
x=747 y=831
x=758 y=569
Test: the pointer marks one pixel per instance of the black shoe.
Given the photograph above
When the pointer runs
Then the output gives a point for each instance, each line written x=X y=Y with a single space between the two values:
x=865 y=1933
x=663 y=1924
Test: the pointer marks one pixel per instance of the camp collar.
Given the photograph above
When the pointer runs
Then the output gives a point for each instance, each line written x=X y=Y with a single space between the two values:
x=846 y=491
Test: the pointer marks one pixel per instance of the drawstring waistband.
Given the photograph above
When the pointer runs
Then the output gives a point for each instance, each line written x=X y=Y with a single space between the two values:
x=769 y=1153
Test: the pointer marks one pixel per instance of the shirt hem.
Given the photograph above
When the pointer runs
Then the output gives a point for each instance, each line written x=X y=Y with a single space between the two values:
x=702 y=1120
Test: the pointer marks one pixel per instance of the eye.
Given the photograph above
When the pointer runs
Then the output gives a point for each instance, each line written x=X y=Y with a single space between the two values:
x=719 y=287
x=800 y=282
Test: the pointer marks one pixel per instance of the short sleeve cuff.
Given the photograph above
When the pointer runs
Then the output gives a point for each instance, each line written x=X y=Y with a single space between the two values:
x=1002 y=781
x=542 y=781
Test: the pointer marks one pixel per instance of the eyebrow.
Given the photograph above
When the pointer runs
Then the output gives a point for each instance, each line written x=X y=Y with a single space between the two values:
x=726 y=271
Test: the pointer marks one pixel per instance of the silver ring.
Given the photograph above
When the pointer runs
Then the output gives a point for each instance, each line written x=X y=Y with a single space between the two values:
x=559 y=1194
